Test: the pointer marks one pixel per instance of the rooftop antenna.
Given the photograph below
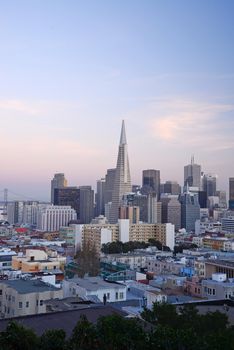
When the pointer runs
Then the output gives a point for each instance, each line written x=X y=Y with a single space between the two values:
x=192 y=159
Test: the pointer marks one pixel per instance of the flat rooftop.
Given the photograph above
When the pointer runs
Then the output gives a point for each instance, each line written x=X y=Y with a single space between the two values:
x=65 y=320
x=29 y=286
x=94 y=283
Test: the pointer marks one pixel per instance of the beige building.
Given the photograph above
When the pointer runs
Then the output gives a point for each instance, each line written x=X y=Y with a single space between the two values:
x=124 y=231
x=25 y=297
x=36 y=260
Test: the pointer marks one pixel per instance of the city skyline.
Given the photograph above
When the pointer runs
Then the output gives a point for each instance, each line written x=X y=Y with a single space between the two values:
x=72 y=73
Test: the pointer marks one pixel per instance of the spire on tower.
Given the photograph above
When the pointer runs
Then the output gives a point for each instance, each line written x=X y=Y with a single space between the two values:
x=123 y=140
x=122 y=182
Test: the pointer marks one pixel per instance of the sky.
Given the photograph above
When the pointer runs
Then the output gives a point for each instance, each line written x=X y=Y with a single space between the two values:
x=71 y=70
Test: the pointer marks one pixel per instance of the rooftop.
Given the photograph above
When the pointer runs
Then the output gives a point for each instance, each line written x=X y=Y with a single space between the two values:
x=94 y=283
x=29 y=286
x=65 y=320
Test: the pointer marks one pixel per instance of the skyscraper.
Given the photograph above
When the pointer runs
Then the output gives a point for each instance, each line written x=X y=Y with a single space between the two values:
x=190 y=210
x=86 y=204
x=68 y=196
x=192 y=174
x=109 y=185
x=209 y=182
x=151 y=182
x=58 y=181
x=122 y=182
x=99 y=197
x=231 y=193
x=171 y=187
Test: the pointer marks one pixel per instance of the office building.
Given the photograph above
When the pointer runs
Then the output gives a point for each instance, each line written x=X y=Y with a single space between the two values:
x=68 y=196
x=209 y=182
x=190 y=211
x=202 y=199
x=99 y=198
x=58 y=181
x=171 y=211
x=192 y=174
x=109 y=185
x=222 y=199
x=122 y=182
x=86 y=213
x=130 y=212
x=151 y=182
x=171 y=187
x=231 y=193
x=228 y=224
x=51 y=218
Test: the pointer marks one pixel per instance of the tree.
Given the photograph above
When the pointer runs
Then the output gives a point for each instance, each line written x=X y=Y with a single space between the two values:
x=153 y=242
x=84 y=336
x=163 y=314
x=88 y=260
x=118 y=333
x=17 y=337
x=53 y=339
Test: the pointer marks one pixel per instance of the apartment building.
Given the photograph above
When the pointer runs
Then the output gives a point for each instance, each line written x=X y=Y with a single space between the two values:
x=36 y=260
x=124 y=231
x=25 y=297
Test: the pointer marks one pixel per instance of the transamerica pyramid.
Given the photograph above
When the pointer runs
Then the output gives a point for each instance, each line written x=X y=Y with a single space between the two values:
x=122 y=182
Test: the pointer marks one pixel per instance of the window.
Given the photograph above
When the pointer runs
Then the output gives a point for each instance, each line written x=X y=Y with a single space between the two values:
x=116 y=296
x=121 y=295
x=108 y=296
x=54 y=267
x=20 y=305
x=27 y=303
x=37 y=302
x=213 y=291
x=0 y=291
x=41 y=302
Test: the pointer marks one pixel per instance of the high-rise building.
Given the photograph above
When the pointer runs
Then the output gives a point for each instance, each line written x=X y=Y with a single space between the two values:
x=151 y=182
x=171 y=211
x=202 y=198
x=141 y=201
x=130 y=213
x=231 y=193
x=58 y=181
x=99 y=198
x=109 y=185
x=68 y=196
x=209 y=182
x=52 y=217
x=190 y=211
x=152 y=209
x=222 y=199
x=86 y=212
x=122 y=182
x=171 y=187
x=192 y=174
x=15 y=212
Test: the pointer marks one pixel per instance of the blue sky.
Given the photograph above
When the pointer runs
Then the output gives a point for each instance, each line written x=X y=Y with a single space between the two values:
x=72 y=70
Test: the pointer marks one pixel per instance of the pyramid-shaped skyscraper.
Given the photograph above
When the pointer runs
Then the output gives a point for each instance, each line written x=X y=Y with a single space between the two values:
x=122 y=183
